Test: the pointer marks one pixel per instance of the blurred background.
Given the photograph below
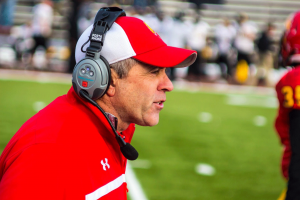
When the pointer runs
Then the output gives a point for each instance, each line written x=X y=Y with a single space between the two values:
x=216 y=138
x=41 y=35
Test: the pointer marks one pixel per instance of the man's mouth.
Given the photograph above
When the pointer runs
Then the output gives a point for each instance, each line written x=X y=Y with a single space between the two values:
x=160 y=103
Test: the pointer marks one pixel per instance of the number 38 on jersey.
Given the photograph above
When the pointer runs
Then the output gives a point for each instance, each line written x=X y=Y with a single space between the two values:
x=291 y=96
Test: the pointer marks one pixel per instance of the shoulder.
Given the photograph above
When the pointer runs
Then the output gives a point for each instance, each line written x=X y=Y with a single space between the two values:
x=290 y=79
x=292 y=76
x=57 y=123
x=284 y=77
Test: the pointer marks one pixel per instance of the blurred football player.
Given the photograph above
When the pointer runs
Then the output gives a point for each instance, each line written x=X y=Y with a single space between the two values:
x=287 y=122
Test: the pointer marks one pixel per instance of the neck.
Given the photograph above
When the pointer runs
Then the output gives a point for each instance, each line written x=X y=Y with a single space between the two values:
x=112 y=114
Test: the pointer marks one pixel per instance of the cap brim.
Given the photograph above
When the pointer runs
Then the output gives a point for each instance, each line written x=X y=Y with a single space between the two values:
x=167 y=56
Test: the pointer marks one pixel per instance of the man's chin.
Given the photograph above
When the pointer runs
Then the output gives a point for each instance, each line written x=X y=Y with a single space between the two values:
x=150 y=122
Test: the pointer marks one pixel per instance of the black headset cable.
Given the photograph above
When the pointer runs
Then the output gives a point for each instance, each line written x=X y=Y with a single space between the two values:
x=127 y=149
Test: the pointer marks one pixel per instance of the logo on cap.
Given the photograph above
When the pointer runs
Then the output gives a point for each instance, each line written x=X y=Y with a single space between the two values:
x=151 y=29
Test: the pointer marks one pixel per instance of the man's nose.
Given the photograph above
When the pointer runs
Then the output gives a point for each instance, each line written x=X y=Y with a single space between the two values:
x=166 y=84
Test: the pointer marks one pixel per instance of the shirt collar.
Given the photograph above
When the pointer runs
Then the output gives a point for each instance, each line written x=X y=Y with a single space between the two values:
x=113 y=119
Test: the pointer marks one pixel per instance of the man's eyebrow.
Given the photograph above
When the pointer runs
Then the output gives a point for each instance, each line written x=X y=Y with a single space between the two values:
x=148 y=65
x=151 y=67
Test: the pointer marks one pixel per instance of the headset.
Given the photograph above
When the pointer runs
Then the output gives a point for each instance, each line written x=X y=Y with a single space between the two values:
x=91 y=75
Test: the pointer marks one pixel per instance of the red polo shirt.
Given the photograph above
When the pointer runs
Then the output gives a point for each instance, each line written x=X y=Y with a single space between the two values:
x=66 y=151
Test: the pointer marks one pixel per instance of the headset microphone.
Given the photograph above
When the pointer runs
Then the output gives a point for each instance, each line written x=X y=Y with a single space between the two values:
x=91 y=75
x=127 y=149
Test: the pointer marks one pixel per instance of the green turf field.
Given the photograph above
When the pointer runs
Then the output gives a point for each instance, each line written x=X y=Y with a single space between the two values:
x=245 y=157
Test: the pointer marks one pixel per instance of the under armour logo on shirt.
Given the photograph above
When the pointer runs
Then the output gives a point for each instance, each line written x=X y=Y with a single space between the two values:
x=105 y=164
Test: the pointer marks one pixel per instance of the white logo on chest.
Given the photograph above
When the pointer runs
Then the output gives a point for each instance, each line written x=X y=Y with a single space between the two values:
x=105 y=164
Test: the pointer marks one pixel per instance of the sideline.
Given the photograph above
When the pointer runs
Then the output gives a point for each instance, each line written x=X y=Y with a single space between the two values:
x=135 y=189
x=35 y=76
x=223 y=88
x=180 y=85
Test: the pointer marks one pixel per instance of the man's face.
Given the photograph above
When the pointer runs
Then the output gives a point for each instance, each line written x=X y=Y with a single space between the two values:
x=140 y=96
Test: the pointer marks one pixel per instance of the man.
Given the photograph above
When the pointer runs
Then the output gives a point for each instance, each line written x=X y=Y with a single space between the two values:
x=244 y=44
x=244 y=41
x=7 y=8
x=68 y=150
x=288 y=118
x=197 y=40
x=225 y=34
x=42 y=24
x=265 y=45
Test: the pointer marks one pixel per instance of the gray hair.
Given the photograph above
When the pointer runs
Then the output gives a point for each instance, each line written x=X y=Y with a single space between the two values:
x=122 y=67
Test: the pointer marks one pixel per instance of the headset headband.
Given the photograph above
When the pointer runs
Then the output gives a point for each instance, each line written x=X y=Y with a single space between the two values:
x=91 y=76
x=103 y=21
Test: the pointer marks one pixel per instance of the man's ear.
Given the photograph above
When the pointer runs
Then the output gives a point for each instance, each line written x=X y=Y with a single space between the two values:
x=113 y=82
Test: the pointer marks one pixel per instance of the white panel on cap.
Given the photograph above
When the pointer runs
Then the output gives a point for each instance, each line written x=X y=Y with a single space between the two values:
x=116 y=45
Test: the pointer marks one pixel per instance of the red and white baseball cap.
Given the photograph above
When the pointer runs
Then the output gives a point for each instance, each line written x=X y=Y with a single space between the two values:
x=131 y=37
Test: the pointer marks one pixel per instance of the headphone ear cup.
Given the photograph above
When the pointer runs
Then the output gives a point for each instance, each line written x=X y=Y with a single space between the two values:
x=92 y=76
x=108 y=71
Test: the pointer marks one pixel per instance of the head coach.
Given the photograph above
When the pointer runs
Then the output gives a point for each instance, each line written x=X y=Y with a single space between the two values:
x=77 y=147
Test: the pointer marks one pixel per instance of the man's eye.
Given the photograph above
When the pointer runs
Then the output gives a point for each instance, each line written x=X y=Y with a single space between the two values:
x=155 y=72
